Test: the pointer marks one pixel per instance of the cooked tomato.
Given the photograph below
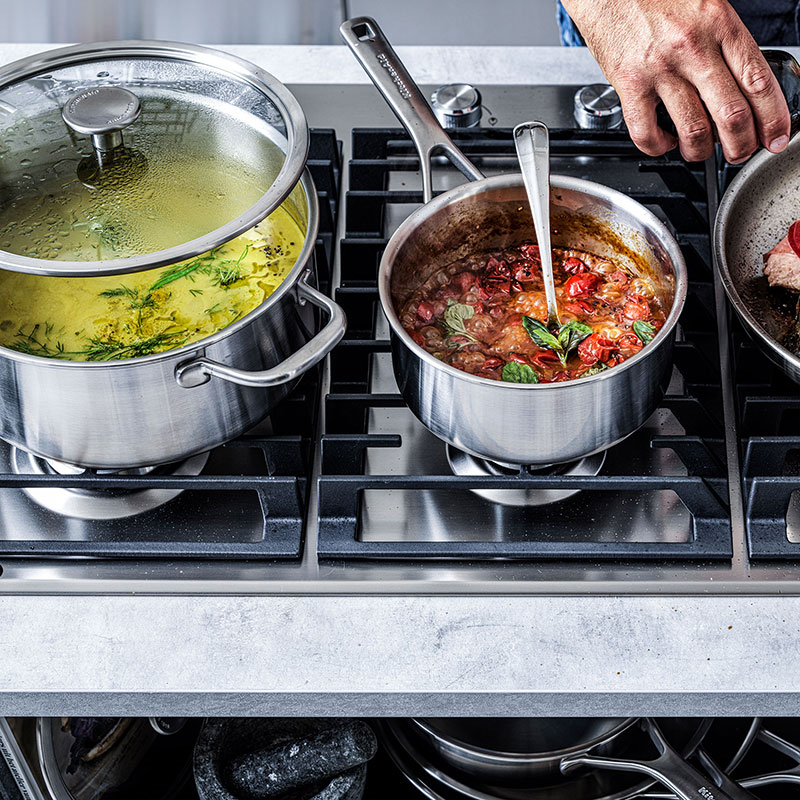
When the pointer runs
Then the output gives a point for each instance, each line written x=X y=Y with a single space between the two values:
x=579 y=307
x=531 y=251
x=629 y=343
x=637 y=307
x=794 y=237
x=545 y=359
x=619 y=276
x=527 y=271
x=425 y=311
x=595 y=348
x=574 y=266
x=582 y=284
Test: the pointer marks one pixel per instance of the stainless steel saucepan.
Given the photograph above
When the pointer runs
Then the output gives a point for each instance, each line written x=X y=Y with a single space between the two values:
x=754 y=215
x=515 y=423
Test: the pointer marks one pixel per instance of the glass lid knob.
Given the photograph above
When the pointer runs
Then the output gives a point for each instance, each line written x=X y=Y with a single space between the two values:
x=102 y=113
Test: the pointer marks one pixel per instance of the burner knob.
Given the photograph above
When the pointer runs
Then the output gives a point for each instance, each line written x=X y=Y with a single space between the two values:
x=457 y=105
x=597 y=107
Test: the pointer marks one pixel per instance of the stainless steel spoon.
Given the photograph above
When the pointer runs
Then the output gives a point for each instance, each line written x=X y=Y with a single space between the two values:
x=533 y=151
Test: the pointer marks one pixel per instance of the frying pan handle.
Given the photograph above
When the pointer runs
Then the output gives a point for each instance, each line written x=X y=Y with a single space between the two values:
x=790 y=775
x=669 y=768
x=373 y=51
x=201 y=370
x=787 y=72
x=722 y=780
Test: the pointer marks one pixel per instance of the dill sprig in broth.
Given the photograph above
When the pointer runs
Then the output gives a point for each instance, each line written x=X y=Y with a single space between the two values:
x=107 y=318
x=224 y=270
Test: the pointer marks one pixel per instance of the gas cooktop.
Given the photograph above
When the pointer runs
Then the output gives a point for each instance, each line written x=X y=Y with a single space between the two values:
x=343 y=490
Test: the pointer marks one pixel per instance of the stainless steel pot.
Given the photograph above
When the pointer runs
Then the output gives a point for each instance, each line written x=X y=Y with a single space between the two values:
x=167 y=406
x=515 y=423
x=754 y=215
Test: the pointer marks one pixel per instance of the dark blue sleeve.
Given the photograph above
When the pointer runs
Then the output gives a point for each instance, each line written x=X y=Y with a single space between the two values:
x=570 y=35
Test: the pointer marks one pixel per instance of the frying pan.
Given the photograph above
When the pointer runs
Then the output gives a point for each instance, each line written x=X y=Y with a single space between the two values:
x=439 y=778
x=754 y=214
x=538 y=424
x=524 y=751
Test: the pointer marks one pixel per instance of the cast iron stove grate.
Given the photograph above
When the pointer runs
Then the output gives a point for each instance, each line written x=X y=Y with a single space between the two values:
x=383 y=492
x=250 y=500
x=769 y=426
x=768 y=421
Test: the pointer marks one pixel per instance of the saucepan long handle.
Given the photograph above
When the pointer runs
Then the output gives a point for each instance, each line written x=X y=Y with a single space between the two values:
x=669 y=768
x=379 y=60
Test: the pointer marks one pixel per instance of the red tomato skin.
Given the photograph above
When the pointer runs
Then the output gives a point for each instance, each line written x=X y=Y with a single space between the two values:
x=531 y=251
x=637 y=307
x=544 y=359
x=574 y=266
x=794 y=237
x=464 y=280
x=619 y=277
x=629 y=341
x=425 y=311
x=579 y=307
x=595 y=348
x=582 y=284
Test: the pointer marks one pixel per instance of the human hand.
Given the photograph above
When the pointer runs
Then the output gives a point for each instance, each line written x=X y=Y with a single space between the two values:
x=699 y=59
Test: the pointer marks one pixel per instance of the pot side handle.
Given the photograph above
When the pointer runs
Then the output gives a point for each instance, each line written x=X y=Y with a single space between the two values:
x=372 y=49
x=201 y=370
x=669 y=768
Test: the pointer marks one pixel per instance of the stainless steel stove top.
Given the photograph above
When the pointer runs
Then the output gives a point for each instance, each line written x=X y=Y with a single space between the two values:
x=648 y=539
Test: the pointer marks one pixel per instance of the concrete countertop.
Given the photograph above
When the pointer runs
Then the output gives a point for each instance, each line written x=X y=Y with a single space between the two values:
x=434 y=65
x=397 y=655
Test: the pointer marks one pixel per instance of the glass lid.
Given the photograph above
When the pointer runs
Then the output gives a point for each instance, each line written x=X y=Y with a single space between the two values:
x=124 y=156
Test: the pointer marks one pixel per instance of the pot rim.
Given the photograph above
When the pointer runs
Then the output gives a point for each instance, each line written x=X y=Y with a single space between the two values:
x=408 y=228
x=287 y=284
x=298 y=142
x=501 y=756
x=776 y=351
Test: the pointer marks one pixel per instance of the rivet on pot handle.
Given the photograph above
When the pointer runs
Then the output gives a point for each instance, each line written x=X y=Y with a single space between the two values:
x=372 y=49
x=201 y=370
x=669 y=768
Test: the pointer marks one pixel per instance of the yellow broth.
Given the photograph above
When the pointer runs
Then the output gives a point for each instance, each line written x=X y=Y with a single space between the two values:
x=129 y=316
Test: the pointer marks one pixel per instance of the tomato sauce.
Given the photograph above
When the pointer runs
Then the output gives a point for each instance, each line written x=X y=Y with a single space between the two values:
x=486 y=315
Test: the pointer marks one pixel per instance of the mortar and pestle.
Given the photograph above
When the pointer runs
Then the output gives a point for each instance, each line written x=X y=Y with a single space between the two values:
x=291 y=759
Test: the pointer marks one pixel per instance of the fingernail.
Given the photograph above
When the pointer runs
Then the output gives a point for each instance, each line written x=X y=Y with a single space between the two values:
x=778 y=145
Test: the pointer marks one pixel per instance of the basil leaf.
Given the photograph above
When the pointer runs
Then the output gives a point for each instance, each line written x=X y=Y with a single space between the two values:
x=644 y=330
x=518 y=373
x=539 y=333
x=453 y=319
x=595 y=368
x=571 y=334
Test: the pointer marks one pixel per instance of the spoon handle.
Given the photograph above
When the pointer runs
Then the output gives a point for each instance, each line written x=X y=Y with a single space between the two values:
x=533 y=150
